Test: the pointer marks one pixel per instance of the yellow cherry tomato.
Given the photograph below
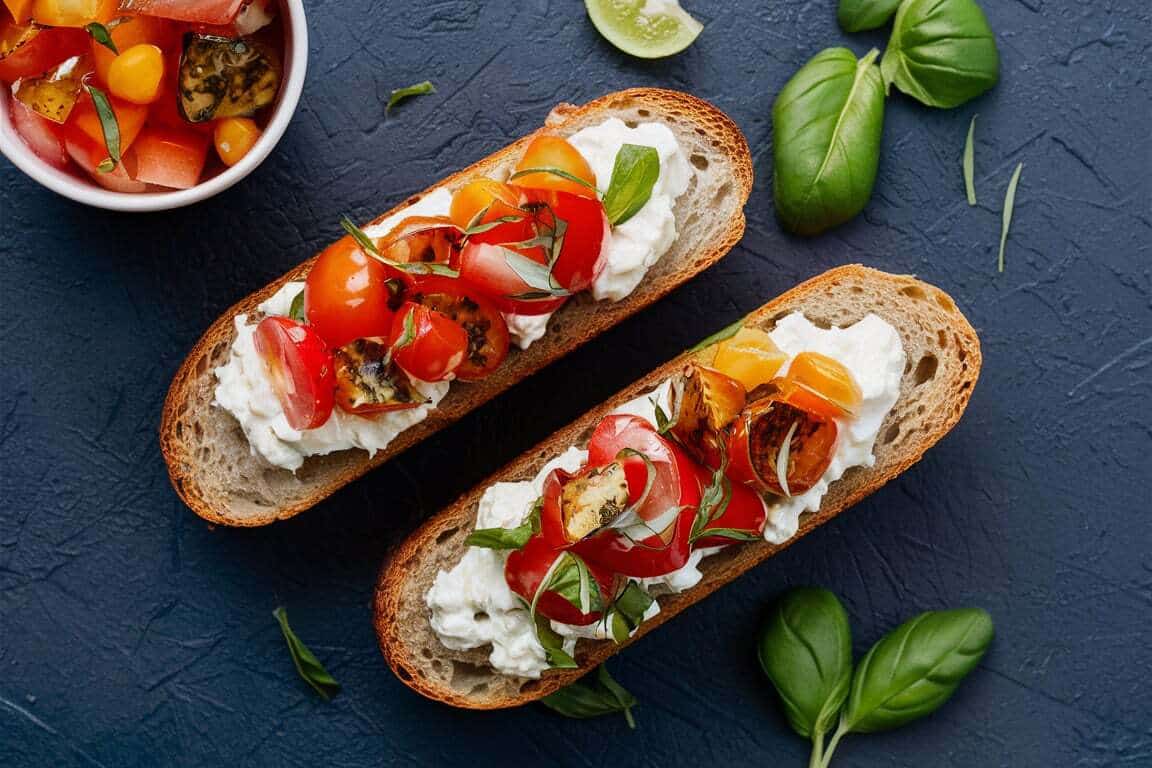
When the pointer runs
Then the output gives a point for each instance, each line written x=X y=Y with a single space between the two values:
x=73 y=13
x=479 y=195
x=234 y=137
x=829 y=378
x=750 y=357
x=552 y=153
x=136 y=74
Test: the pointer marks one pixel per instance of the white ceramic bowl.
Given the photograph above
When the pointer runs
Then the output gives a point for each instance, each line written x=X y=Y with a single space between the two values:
x=82 y=190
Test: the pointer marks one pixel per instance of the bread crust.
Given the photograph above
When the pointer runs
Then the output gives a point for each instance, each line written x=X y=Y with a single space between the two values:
x=405 y=576
x=183 y=437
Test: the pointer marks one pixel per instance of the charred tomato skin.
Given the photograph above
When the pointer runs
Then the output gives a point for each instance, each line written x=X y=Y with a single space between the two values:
x=758 y=436
x=368 y=381
x=488 y=337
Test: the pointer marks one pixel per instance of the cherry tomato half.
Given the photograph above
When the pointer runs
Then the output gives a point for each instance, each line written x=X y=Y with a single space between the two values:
x=587 y=230
x=526 y=568
x=481 y=320
x=299 y=366
x=426 y=239
x=758 y=436
x=347 y=294
x=555 y=153
x=745 y=512
x=425 y=343
x=487 y=267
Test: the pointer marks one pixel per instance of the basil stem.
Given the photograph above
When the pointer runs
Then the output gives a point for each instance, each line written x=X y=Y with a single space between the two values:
x=592 y=696
x=1006 y=217
x=109 y=126
x=400 y=94
x=307 y=665
x=634 y=174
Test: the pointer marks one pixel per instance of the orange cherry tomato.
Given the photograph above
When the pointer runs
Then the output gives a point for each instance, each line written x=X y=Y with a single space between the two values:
x=422 y=239
x=427 y=344
x=234 y=137
x=300 y=368
x=478 y=195
x=750 y=356
x=347 y=294
x=758 y=437
x=555 y=153
x=170 y=157
x=73 y=13
x=137 y=73
x=828 y=378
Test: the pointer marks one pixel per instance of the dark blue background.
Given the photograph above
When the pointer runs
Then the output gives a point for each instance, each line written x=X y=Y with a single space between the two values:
x=131 y=633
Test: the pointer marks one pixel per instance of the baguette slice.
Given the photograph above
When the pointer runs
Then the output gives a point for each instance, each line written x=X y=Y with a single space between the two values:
x=943 y=357
x=209 y=460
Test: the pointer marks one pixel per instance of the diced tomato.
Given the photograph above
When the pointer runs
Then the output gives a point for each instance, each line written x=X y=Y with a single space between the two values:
x=347 y=294
x=41 y=51
x=487 y=332
x=198 y=11
x=85 y=121
x=21 y=10
x=73 y=13
x=425 y=343
x=587 y=230
x=171 y=157
x=42 y=136
x=526 y=569
x=299 y=365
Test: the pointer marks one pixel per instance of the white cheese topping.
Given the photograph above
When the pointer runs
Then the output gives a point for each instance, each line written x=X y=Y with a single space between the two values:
x=472 y=605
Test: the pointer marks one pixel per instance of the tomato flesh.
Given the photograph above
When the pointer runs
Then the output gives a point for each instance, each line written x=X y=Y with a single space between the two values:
x=41 y=135
x=347 y=294
x=299 y=365
x=426 y=343
x=170 y=157
x=199 y=11
x=486 y=266
x=463 y=303
x=46 y=48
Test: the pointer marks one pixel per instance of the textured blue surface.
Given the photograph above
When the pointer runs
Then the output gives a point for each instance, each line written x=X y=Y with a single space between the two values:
x=133 y=634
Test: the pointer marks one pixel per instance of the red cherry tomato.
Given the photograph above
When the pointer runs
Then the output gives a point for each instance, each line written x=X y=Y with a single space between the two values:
x=425 y=343
x=486 y=266
x=465 y=304
x=526 y=568
x=582 y=255
x=38 y=49
x=347 y=294
x=299 y=365
x=745 y=512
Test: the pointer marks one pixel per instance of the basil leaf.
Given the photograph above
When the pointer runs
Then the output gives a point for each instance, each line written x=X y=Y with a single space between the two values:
x=723 y=334
x=828 y=120
x=1006 y=217
x=574 y=582
x=552 y=643
x=941 y=52
x=307 y=665
x=553 y=172
x=859 y=15
x=628 y=610
x=915 y=668
x=663 y=423
x=102 y=35
x=634 y=174
x=400 y=94
x=296 y=311
x=408 y=332
x=714 y=501
x=592 y=696
x=735 y=534
x=508 y=538
x=805 y=649
x=477 y=228
x=109 y=126
x=969 y=163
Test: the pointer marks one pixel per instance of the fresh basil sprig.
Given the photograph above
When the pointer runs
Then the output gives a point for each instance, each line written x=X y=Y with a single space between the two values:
x=859 y=15
x=307 y=665
x=400 y=94
x=805 y=649
x=109 y=126
x=592 y=696
x=941 y=52
x=508 y=538
x=634 y=174
x=828 y=121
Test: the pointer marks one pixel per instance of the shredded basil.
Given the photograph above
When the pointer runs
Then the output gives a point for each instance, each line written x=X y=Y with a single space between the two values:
x=554 y=172
x=102 y=35
x=970 y=163
x=307 y=665
x=628 y=611
x=724 y=333
x=109 y=126
x=508 y=538
x=414 y=268
x=400 y=94
x=634 y=174
x=1009 y=204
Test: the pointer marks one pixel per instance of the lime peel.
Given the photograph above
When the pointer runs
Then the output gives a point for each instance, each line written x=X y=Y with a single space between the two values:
x=648 y=29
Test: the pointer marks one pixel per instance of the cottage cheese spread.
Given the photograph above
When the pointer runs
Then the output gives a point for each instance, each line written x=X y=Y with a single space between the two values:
x=472 y=605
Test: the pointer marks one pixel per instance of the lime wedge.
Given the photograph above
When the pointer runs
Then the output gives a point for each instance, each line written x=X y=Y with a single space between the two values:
x=649 y=29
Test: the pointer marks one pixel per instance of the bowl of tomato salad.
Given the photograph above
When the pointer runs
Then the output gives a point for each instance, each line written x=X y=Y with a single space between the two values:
x=147 y=105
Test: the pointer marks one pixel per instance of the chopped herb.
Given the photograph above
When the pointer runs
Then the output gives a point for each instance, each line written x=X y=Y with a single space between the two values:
x=102 y=35
x=628 y=611
x=592 y=696
x=306 y=663
x=508 y=538
x=534 y=274
x=634 y=174
x=109 y=126
x=714 y=501
x=414 y=268
x=400 y=94
x=663 y=423
x=477 y=228
x=553 y=171
x=408 y=335
x=720 y=335
x=1009 y=204
x=296 y=312
x=970 y=163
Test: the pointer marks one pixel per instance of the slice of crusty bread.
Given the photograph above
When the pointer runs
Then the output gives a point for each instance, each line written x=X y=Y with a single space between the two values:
x=943 y=362
x=208 y=456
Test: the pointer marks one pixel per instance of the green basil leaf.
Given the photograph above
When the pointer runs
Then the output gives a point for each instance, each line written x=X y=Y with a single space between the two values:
x=400 y=94
x=307 y=665
x=806 y=651
x=969 y=163
x=574 y=582
x=628 y=610
x=296 y=311
x=859 y=15
x=915 y=668
x=714 y=501
x=941 y=52
x=828 y=120
x=663 y=423
x=554 y=172
x=508 y=538
x=102 y=35
x=360 y=236
x=108 y=125
x=735 y=534
x=408 y=332
x=592 y=696
x=1006 y=216
x=634 y=174
x=723 y=334
x=477 y=228
x=552 y=643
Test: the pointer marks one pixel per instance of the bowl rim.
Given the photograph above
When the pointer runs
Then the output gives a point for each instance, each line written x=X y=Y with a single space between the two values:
x=88 y=193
